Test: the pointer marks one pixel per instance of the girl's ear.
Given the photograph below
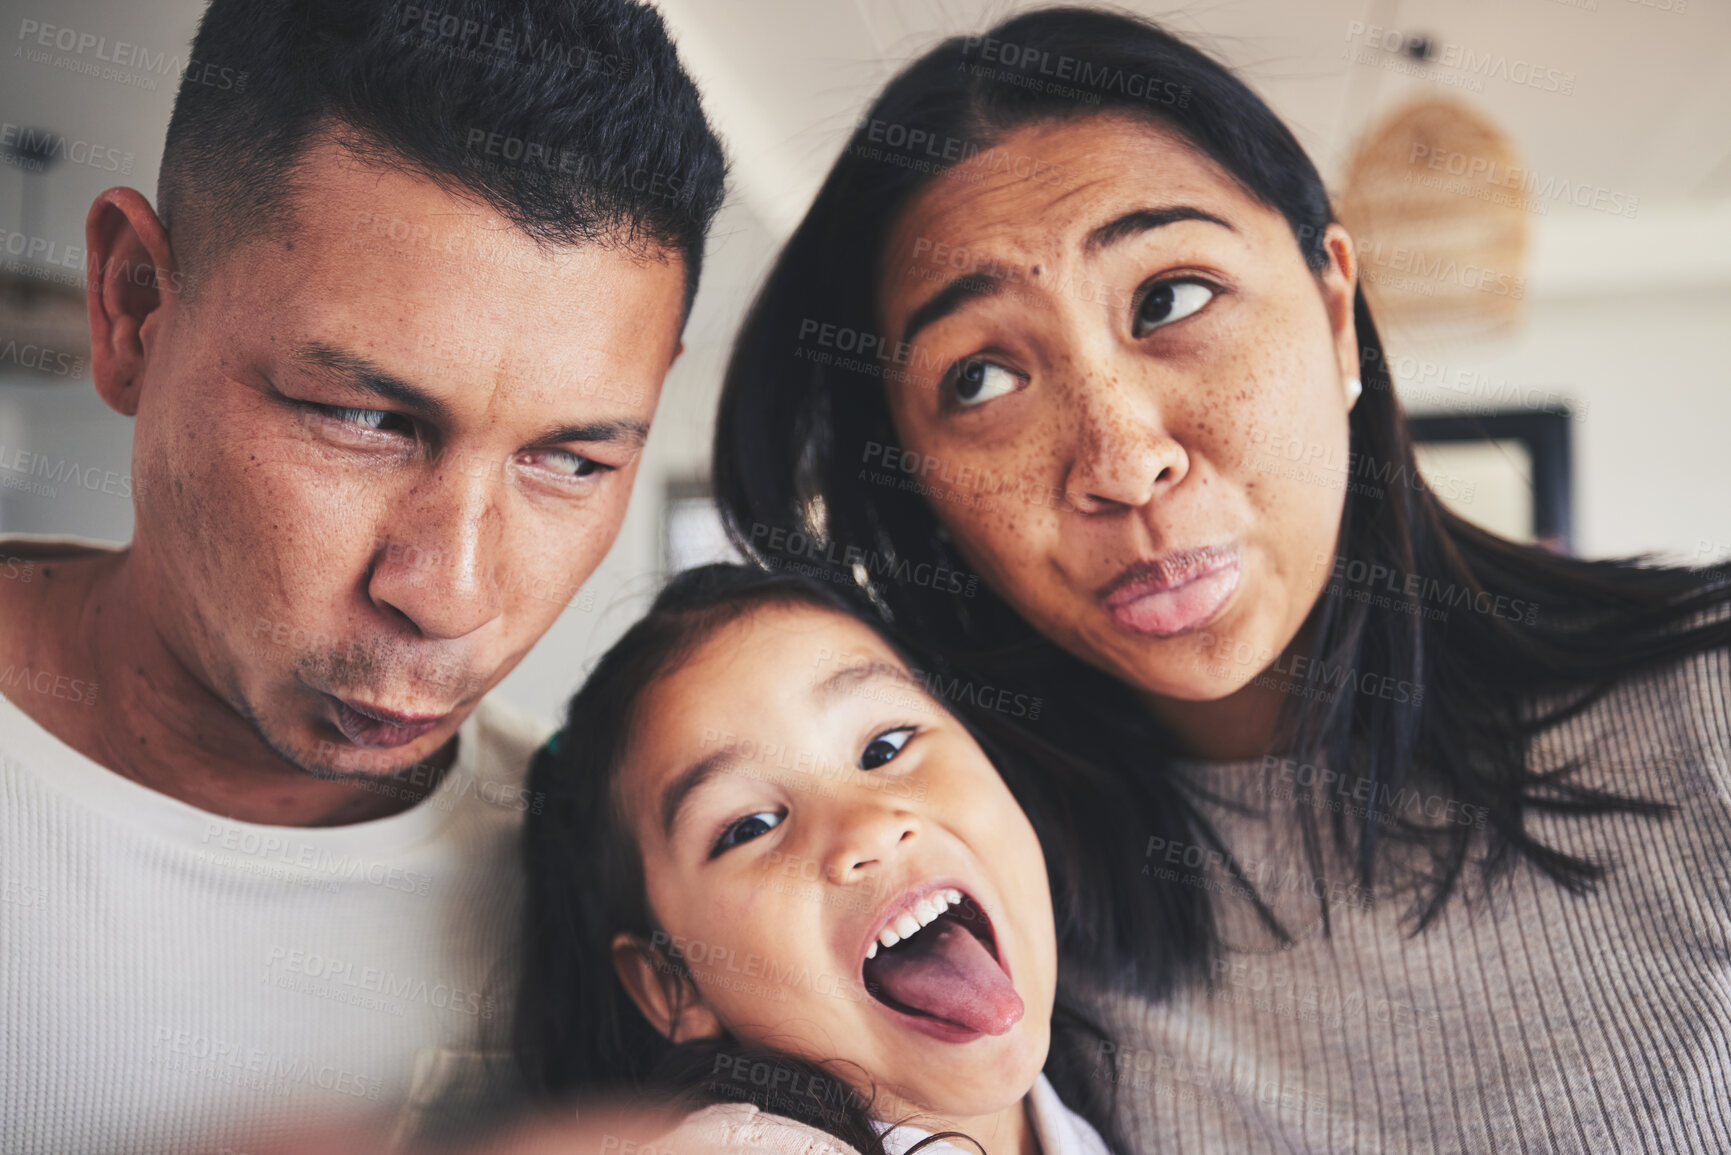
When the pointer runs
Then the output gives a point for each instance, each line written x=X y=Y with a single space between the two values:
x=665 y=995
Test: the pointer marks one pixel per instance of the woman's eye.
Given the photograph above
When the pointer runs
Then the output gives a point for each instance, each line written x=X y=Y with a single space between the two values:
x=1170 y=301
x=884 y=748
x=747 y=828
x=975 y=382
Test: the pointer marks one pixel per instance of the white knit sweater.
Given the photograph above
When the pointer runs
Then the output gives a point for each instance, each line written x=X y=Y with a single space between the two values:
x=173 y=981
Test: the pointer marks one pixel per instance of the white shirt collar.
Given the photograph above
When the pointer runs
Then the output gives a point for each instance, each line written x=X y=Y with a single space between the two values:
x=1060 y=1130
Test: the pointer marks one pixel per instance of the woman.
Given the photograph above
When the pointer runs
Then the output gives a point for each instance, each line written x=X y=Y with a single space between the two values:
x=1408 y=837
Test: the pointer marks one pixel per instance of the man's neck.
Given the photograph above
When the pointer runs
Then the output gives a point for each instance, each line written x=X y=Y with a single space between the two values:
x=87 y=619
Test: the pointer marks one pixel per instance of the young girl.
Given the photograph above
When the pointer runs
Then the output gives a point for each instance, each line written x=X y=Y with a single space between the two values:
x=773 y=878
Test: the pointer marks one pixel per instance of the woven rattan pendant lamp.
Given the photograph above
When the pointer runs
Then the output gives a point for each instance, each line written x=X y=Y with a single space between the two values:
x=1434 y=202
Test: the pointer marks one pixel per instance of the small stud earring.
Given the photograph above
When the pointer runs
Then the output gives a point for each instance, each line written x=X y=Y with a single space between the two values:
x=1354 y=387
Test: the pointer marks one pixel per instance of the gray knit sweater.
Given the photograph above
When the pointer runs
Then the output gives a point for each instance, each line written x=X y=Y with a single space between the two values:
x=1528 y=1019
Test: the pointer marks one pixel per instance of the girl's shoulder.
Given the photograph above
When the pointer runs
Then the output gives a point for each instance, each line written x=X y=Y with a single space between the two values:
x=742 y=1126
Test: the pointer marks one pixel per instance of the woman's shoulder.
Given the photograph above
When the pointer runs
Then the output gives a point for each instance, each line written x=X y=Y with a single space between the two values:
x=743 y=1127
x=1671 y=724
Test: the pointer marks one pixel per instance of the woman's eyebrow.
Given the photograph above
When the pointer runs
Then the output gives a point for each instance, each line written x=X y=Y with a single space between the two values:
x=1142 y=220
x=978 y=284
x=958 y=292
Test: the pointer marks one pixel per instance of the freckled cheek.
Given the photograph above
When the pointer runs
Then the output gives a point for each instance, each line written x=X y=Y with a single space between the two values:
x=1012 y=515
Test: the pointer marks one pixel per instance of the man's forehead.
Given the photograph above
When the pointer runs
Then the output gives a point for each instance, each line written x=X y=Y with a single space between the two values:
x=352 y=208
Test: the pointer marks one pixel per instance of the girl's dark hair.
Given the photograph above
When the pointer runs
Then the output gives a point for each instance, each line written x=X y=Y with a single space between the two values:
x=576 y=1030
x=795 y=436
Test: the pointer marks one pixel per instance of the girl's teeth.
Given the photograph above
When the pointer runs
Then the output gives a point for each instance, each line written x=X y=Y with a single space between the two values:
x=924 y=913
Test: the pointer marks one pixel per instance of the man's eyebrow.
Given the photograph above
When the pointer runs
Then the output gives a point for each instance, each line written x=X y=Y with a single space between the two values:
x=633 y=433
x=350 y=369
x=355 y=371
x=955 y=294
x=1142 y=220
x=851 y=676
x=680 y=790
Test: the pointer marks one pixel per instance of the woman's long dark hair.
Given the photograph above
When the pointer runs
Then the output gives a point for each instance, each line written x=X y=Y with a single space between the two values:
x=794 y=436
x=576 y=1030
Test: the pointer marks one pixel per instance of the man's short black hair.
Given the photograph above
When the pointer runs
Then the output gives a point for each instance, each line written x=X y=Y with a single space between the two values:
x=572 y=118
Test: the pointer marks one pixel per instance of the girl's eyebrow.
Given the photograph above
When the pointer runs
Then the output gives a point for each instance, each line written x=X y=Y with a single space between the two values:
x=679 y=791
x=851 y=676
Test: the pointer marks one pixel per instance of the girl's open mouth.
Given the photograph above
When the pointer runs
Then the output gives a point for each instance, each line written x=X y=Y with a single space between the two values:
x=936 y=965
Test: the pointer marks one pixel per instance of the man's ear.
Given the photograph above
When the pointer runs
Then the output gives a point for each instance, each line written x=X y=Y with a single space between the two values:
x=1339 y=287
x=130 y=261
x=663 y=992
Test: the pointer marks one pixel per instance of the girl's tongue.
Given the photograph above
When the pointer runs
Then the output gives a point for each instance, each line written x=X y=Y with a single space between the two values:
x=947 y=973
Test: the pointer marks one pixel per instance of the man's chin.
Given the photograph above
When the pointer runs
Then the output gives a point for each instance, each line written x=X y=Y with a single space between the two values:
x=419 y=761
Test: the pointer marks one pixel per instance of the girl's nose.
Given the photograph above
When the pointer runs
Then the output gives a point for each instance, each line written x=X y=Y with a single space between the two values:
x=866 y=841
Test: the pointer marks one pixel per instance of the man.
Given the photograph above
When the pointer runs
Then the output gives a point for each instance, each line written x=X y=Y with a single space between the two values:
x=392 y=341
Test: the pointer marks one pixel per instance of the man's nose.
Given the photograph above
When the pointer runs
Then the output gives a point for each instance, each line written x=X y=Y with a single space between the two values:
x=436 y=563
x=1121 y=455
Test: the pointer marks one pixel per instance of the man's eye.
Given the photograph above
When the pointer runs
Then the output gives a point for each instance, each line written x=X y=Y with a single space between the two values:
x=747 y=828
x=365 y=420
x=571 y=464
x=975 y=382
x=884 y=748
x=1169 y=301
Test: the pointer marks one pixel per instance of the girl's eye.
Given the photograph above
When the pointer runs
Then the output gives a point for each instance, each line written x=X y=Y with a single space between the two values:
x=975 y=382
x=747 y=828
x=884 y=748
x=1170 y=301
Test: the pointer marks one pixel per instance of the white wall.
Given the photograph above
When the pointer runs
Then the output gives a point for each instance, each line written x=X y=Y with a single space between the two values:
x=1649 y=376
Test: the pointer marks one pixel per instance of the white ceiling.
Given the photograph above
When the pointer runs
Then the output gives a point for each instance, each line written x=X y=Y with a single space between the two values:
x=785 y=79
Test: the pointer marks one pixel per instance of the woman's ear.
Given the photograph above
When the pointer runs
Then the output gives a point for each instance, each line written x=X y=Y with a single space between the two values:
x=1339 y=289
x=663 y=992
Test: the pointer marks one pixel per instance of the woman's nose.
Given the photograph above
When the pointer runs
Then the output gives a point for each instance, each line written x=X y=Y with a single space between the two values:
x=1121 y=455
